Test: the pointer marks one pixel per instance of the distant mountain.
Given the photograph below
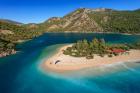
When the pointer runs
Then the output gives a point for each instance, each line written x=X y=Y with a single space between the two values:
x=95 y=20
x=11 y=21
x=137 y=10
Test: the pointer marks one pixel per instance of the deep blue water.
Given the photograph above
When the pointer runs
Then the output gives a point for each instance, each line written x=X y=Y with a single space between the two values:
x=21 y=73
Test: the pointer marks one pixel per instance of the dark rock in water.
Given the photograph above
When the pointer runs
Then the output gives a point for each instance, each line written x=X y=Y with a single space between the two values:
x=8 y=52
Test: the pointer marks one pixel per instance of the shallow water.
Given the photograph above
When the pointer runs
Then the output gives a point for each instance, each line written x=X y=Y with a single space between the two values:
x=21 y=73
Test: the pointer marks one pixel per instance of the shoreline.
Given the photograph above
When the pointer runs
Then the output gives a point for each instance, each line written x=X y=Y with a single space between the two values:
x=69 y=63
x=8 y=53
x=93 y=32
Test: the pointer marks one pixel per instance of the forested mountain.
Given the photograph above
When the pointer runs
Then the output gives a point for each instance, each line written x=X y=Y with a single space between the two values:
x=95 y=20
x=11 y=34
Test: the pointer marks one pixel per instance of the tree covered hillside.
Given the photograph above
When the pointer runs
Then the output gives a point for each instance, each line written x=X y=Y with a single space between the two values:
x=11 y=34
x=95 y=20
x=118 y=21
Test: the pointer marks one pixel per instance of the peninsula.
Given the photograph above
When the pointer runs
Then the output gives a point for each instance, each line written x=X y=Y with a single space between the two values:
x=84 y=54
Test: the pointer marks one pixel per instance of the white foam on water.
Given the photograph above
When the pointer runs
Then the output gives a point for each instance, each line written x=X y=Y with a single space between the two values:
x=129 y=68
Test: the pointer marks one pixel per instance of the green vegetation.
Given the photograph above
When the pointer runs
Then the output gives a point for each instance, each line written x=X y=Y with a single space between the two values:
x=89 y=20
x=16 y=33
x=20 y=32
x=6 y=48
x=81 y=20
x=84 y=48
x=118 y=21
x=135 y=45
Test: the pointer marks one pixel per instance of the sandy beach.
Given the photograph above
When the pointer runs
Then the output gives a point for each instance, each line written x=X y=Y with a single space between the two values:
x=69 y=63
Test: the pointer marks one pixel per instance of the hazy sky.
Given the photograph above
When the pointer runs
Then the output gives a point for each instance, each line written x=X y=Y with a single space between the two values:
x=35 y=11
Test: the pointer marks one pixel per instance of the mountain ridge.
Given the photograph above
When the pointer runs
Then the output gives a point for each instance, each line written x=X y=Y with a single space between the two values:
x=11 y=21
x=95 y=20
x=89 y=20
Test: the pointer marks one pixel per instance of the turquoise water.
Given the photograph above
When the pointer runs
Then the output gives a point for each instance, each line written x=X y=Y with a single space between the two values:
x=21 y=73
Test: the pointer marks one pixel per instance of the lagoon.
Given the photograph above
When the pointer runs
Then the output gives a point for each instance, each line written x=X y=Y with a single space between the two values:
x=21 y=73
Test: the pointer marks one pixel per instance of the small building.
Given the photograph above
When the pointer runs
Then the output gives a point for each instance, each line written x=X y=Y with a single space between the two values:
x=118 y=51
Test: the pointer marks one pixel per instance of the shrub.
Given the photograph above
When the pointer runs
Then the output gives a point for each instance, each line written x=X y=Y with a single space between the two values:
x=89 y=57
x=110 y=55
x=115 y=54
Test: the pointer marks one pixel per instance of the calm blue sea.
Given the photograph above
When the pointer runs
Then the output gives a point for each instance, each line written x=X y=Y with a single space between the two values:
x=21 y=73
